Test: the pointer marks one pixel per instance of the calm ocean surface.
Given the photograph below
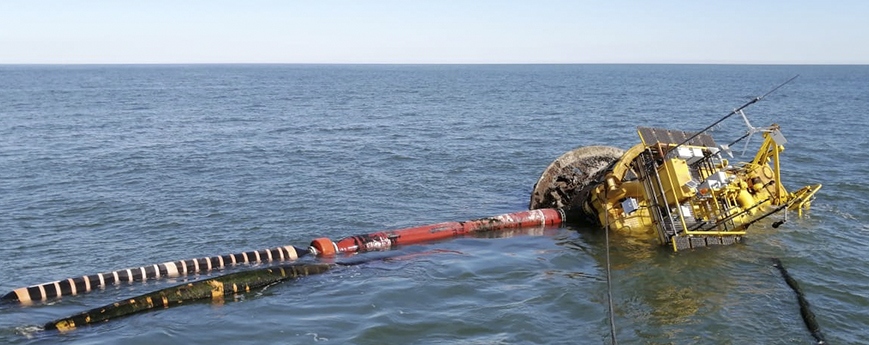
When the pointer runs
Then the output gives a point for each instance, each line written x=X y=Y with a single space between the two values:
x=109 y=167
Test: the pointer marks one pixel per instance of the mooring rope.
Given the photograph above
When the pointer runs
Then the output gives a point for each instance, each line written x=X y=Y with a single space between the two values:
x=609 y=285
x=805 y=312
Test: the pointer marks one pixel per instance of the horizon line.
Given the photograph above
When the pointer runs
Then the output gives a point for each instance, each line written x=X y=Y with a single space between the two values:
x=431 y=63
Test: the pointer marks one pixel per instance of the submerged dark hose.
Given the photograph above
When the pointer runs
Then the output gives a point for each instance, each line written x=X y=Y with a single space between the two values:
x=805 y=312
x=217 y=288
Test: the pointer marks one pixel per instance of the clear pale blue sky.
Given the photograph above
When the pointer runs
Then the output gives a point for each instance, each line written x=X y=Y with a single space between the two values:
x=441 y=31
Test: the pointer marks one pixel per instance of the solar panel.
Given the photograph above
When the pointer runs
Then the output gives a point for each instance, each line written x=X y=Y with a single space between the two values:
x=650 y=136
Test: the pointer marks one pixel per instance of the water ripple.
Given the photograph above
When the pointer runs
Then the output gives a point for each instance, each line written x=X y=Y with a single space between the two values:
x=106 y=167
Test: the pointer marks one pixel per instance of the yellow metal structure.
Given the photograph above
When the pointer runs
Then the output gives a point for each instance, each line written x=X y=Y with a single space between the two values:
x=677 y=187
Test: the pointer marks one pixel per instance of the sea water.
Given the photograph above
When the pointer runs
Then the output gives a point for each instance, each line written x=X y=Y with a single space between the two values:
x=110 y=167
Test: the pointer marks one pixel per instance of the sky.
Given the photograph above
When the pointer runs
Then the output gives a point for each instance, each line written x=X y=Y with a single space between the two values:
x=429 y=31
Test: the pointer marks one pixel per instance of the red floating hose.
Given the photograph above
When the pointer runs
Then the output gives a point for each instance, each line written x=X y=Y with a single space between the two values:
x=387 y=239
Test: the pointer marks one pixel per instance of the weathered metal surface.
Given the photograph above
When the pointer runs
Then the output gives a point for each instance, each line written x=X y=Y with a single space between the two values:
x=560 y=184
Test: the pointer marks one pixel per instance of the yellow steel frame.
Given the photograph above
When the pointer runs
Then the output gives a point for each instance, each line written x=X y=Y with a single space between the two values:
x=769 y=151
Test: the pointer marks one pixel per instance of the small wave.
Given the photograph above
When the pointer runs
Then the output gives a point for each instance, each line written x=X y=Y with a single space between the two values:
x=28 y=332
x=831 y=209
x=317 y=337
